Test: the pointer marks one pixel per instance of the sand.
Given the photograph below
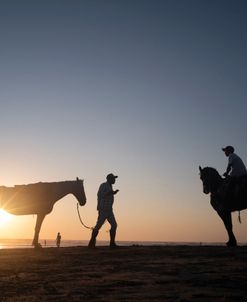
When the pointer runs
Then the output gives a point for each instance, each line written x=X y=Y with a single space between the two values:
x=135 y=273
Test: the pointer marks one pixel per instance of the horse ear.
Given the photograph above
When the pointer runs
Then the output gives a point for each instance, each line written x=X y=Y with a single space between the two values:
x=200 y=168
x=77 y=178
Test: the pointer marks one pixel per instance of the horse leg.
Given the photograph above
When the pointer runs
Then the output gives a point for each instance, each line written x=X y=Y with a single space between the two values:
x=40 y=218
x=227 y=219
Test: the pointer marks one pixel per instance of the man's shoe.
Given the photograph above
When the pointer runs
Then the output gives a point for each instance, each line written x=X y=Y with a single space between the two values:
x=113 y=246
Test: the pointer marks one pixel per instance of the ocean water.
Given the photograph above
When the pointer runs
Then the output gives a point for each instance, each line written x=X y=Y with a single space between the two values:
x=27 y=243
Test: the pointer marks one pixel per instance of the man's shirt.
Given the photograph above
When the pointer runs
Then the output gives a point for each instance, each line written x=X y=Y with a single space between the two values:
x=237 y=166
x=105 y=200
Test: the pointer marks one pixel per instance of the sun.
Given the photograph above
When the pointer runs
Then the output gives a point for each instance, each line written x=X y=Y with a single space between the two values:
x=4 y=217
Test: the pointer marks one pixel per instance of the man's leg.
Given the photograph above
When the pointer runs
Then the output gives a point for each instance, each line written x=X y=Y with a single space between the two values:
x=100 y=222
x=111 y=219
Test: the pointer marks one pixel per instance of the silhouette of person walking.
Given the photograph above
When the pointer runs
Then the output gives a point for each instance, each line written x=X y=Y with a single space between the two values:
x=105 y=210
x=58 y=239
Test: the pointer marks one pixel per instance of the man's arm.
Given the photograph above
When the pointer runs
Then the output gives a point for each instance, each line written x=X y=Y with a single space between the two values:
x=111 y=192
x=228 y=169
x=104 y=191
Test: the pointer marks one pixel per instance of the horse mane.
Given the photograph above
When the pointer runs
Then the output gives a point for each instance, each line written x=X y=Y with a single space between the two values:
x=213 y=174
x=37 y=185
x=212 y=171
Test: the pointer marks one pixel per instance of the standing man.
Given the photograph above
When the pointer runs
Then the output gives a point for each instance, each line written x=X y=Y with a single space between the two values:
x=104 y=207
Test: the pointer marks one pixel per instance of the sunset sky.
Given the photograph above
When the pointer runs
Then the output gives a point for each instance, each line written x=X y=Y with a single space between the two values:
x=146 y=89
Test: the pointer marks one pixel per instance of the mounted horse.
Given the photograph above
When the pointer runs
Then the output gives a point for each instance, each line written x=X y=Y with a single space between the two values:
x=39 y=199
x=226 y=196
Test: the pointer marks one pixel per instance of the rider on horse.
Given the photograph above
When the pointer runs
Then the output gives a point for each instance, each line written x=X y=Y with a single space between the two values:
x=235 y=173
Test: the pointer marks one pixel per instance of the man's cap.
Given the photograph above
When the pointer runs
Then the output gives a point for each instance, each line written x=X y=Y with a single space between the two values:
x=111 y=176
x=228 y=148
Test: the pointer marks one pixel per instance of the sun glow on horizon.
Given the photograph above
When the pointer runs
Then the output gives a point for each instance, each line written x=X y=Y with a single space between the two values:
x=4 y=217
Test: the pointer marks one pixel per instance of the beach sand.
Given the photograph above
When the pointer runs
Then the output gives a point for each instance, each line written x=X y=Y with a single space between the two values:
x=134 y=273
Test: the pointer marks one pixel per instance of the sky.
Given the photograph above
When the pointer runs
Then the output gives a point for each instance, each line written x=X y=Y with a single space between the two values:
x=145 y=89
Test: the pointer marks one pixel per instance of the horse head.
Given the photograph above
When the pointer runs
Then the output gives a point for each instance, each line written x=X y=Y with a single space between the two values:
x=79 y=192
x=210 y=179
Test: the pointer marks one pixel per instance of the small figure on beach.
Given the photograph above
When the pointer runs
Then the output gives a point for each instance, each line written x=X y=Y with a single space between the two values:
x=105 y=210
x=58 y=239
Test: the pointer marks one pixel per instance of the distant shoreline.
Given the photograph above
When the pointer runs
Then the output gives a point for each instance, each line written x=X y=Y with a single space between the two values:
x=27 y=243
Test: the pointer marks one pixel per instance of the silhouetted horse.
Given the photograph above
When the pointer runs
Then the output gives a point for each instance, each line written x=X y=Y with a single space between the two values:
x=224 y=199
x=39 y=199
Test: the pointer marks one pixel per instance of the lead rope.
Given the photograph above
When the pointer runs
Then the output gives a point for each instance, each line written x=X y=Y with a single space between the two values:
x=85 y=226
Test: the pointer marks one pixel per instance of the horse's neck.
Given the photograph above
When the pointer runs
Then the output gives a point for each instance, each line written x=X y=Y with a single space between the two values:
x=217 y=183
x=220 y=181
x=64 y=188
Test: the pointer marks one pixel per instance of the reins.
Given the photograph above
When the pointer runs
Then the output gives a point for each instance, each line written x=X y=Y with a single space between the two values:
x=85 y=226
x=79 y=215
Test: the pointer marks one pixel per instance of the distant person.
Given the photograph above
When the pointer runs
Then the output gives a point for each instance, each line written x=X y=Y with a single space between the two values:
x=105 y=211
x=235 y=171
x=58 y=239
